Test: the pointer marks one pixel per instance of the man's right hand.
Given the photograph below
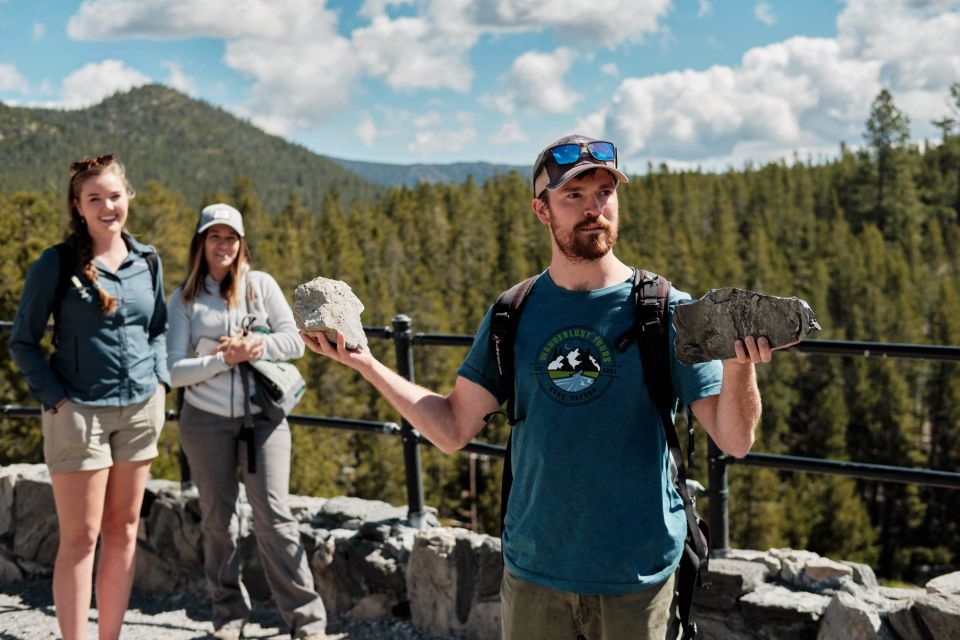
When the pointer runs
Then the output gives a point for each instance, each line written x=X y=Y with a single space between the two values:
x=317 y=341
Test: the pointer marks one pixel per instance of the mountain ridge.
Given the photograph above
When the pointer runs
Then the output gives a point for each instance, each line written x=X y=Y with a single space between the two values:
x=194 y=148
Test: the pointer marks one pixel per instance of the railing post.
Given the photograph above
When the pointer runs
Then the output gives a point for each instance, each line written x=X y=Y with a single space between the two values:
x=719 y=495
x=403 y=342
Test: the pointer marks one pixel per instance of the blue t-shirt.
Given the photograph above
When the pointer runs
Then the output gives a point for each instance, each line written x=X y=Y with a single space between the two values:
x=592 y=508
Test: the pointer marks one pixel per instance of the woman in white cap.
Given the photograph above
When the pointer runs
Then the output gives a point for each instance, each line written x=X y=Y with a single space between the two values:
x=210 y=315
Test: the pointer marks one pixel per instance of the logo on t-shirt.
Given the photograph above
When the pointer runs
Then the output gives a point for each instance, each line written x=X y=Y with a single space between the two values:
x=575 y=366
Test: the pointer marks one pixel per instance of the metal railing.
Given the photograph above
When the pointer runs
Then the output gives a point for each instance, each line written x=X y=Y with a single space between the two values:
x=717 y=461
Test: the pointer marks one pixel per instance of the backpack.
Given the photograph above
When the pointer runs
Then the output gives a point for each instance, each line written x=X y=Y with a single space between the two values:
x=67 y=255
x=651 y=333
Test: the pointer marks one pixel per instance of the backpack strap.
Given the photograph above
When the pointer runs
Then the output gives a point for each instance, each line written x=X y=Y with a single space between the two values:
x=67 y=258
x=651 y=331
x=152 y=262
x=503 y=329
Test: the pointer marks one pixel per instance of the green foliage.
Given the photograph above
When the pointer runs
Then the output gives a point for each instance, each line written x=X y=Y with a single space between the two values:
x=871 y=240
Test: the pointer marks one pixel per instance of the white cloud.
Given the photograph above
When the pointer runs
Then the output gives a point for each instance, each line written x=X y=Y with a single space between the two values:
x=601 y=22
x=367 y=131
x=511 y=132
x=764 y=13
x=802 y=94
x=373 y=8
x=180 y=19
x=610 y=69
x=428 y=143
x=704 y=8
x=302 y=69
x=535 y=81
x=95 y=81
x=412 y=53
x=38 y=31
x=179 y=80
x=10 y=78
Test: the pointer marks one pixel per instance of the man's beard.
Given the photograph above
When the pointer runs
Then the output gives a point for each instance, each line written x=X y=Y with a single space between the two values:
x=580 y=247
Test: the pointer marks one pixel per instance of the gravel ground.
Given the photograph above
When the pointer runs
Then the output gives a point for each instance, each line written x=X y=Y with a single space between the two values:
x=26 y=613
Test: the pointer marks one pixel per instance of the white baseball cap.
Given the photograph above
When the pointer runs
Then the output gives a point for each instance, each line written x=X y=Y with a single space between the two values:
x=220 y=213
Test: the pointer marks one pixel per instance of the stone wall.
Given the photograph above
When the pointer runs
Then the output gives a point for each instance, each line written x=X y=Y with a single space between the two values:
x=369 y=563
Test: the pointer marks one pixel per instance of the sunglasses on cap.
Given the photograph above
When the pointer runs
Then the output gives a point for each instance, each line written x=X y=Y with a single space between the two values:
x=557 y=164
x=91 y=163
x=570 y=153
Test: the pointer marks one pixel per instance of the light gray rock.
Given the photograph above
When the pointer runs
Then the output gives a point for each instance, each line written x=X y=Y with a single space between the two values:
x=825 y=572
x=352 y=564
x=36 y=534
x=947 y=584
x=453 y=581
x=707 y=329
x=862 y=574
x=329 y=306
x=846 y=618
x=940 y=614
x=8 y=481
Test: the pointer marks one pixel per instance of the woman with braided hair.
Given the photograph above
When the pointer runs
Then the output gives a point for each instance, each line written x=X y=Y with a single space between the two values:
x=102 y=391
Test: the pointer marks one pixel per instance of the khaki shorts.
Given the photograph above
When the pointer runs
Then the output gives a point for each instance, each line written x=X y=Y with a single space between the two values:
x=532 y=612
x=82 y=437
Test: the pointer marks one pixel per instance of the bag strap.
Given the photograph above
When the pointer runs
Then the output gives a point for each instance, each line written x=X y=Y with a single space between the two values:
x=503 y=329
x=651 y=332
x=247 y=431
x=67 y=258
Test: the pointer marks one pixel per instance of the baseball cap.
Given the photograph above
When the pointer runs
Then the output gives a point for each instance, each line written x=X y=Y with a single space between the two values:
x=220 y=213
x=570 y=156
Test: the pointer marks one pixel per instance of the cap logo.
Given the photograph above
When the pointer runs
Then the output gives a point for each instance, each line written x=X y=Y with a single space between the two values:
x=221 y=214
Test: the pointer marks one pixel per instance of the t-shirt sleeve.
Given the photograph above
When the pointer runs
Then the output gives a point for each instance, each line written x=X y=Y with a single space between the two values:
x=480 y=365
x=692 y=382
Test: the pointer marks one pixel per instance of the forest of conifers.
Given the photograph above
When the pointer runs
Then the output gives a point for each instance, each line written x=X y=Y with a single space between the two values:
x=871 y=240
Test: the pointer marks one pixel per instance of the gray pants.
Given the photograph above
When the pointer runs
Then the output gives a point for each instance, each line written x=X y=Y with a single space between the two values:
x=211 y=444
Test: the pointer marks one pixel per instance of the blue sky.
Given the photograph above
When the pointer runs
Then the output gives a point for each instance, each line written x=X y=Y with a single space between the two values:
x=689 y=82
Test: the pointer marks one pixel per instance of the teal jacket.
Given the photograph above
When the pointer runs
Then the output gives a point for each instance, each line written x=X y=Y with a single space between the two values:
x=114 y=360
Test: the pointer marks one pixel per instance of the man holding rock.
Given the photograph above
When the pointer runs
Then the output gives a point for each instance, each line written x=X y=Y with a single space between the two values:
x=594 y=529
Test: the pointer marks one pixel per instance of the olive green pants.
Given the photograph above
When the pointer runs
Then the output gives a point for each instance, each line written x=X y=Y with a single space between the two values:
x=531 y=612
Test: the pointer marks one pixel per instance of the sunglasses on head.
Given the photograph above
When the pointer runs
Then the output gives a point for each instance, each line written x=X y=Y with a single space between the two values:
x=570 y=153
x=91 y=163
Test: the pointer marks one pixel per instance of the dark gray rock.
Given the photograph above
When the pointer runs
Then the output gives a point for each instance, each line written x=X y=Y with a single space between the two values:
x=730 y=580
x=940 y=614
x=781 y=614
x=329 y=306
x=707 y=329
x=905 y=622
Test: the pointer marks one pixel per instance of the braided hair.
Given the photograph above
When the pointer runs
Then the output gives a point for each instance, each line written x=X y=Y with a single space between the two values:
x=80 y=172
